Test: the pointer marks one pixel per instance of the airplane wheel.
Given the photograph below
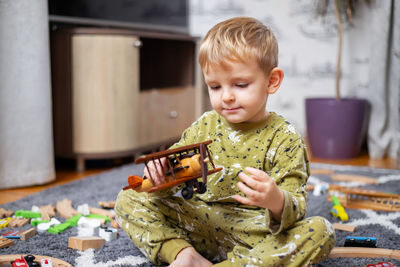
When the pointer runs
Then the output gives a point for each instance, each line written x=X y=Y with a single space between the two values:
x=202 y=188
x=187 y=192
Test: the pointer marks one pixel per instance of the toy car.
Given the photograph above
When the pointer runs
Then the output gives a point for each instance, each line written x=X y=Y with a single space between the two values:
x=339 y=212
x=355 y=241
x=27 y=261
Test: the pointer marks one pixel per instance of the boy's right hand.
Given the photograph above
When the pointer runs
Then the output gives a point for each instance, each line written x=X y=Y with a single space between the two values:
x=154 y=171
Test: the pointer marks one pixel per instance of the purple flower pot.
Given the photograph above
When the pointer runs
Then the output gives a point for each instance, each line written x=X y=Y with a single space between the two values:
x=335 y=128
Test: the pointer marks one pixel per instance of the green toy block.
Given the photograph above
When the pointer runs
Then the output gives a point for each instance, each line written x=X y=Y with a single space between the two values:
x=74 y=220
x=37 y=222
x=28 y=214
x=56 y=229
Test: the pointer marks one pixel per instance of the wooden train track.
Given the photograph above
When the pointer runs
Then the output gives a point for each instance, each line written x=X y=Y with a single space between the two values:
x=6 y=259
x=359 y=198
x=358 y=252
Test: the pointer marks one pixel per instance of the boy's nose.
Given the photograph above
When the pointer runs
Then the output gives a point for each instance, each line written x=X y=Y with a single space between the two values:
x=227 y=95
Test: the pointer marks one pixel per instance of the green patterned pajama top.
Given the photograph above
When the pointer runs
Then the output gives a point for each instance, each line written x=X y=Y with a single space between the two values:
x=220 y=228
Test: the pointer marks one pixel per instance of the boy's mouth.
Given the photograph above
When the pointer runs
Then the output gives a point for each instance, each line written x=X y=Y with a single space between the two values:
x=231 y=109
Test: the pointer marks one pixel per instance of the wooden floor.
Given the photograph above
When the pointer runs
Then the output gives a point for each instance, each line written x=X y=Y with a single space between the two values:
x=65 y=172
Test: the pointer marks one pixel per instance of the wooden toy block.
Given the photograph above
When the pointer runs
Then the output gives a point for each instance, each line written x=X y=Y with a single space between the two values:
x=107 y=204
x=18 y=222
x=65 y=209
x=48 y=212
x=5 y=213
x=310 y=187
x=344 y=227
x=115 y=224
x=103 y=212
x=85 y=242
x=321 y=171
x=354 y=178
x=5 y=242
x=28 y=234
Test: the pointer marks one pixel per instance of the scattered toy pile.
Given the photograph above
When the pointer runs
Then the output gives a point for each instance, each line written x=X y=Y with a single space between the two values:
x=355 y=198
x=95 y=226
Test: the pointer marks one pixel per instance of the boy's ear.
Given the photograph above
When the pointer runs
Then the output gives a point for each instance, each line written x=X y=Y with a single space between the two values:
x=275 y=80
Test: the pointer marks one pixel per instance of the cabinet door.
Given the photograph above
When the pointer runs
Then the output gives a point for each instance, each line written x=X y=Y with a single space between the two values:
x=165 y=113
x=105 y=82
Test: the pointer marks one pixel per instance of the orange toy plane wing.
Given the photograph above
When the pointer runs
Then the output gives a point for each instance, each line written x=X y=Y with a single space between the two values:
x=180 y=181
x=133 y=182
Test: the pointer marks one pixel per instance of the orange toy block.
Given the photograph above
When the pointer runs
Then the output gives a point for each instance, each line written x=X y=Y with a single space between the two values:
x=85 y=242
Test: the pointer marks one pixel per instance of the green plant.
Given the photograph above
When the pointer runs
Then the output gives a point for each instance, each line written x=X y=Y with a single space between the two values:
x=343 y=9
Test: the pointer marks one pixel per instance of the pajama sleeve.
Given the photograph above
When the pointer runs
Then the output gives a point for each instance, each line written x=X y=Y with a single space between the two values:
x=290 y=171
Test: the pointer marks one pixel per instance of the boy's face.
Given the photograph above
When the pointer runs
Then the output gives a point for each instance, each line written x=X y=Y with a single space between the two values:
x=238 y=92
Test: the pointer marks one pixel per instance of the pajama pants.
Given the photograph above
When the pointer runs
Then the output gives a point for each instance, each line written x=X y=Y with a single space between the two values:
x=225 y=233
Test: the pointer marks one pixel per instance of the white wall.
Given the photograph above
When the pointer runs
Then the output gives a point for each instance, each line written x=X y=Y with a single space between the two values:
x=308 y=48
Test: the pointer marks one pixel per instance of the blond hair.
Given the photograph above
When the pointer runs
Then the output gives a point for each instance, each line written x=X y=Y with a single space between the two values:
x=236 y=40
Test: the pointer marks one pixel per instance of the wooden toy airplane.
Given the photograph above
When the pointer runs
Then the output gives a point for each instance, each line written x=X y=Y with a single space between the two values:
x=183 y=165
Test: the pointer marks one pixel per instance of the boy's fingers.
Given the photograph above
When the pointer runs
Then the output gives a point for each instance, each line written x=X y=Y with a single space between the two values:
x=242 y=200
x=256 y=172
x=154 y=172
x=247 y=190
x=248 y=180
x=159 y=176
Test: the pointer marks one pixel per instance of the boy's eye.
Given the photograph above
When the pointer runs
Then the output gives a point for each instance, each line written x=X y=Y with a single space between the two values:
x=242 y=85
x=214 y=87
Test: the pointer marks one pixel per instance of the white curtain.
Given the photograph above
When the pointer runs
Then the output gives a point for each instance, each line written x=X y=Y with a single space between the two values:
x=384 y=85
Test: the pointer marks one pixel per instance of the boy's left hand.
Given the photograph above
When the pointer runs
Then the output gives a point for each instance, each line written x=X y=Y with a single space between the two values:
x=261 y=191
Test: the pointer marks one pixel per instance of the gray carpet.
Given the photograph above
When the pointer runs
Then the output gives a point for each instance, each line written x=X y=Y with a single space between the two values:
x=385 y=226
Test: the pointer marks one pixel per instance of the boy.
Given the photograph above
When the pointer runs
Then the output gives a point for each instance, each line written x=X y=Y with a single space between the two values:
x=252 y=213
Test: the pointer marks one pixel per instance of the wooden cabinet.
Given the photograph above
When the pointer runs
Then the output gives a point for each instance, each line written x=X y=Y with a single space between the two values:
x=169 y=112
x=105 y=93
x=119 y=92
